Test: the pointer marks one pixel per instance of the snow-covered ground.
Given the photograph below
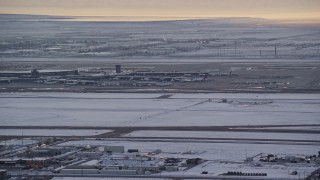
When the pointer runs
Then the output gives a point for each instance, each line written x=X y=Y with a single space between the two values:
x=222 y=157
x=89 y=109
x=275 y=171
x=231 y=135
x=160 y=60
x=209 y=151
x=80 y=95
x=313 y=128
x=189 y=40
x=20 y=142
x=51 y=132
x=103 y=178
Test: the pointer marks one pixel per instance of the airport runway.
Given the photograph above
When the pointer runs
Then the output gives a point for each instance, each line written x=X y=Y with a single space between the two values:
x=117 y=134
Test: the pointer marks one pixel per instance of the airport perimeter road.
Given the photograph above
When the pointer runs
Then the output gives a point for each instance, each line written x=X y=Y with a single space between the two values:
x=118 y=131
x=121 y=134
x=160 y=176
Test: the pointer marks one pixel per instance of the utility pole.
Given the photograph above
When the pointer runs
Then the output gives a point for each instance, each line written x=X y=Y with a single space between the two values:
x=275 y=50
x=260 y=52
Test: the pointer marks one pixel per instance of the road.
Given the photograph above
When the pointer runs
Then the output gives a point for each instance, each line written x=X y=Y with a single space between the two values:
x=117 y=133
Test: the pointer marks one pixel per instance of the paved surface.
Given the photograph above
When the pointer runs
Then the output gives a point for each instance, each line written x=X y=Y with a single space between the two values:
x=117 y=132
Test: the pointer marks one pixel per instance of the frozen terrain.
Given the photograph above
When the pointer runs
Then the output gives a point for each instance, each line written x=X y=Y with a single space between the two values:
x=44 y=36
x=19 y=142
x=243 y=55
x=107 y=110
x=231 y=135
x=222 y=157
x=209 y=151
x=97 y=178
x=274 y=171
x=264 y=55
x=50 y=132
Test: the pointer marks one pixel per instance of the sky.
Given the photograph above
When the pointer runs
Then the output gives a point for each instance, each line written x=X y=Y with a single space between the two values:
x=270 y=9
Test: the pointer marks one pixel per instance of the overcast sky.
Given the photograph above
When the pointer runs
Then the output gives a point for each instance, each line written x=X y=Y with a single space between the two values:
x=273 y=9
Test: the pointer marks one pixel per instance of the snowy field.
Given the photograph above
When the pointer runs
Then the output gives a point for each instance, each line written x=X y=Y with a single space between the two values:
x=273 y=171
x=20 y=142
x=46 y=42
x=134 y=109
x=101 y=178
x=24 y=36
x=209 y=151
x=222 y=157
x=36 y=43
x=50 y=132
x=159 y=60
x=231 y=135
x=313 y=128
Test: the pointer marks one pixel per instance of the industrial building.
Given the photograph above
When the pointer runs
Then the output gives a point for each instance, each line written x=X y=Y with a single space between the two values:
x=114 y=161
x=103 y=78
x=3 y=174
x=114 y=149
x=47 y=152
x=36 y=73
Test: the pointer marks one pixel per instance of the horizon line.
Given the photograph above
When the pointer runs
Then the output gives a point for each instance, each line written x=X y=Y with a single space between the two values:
x=173 y=18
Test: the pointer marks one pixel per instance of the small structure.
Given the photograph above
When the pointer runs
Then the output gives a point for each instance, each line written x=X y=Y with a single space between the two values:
x=118 y=172
x=249 y=159
x=14 y=73
x=290 y=158
x=194 y=161
x=3 y=174
x=231 y=173
x=157 y=151
x=114 y=149
x=172 y=161
x=35 y=73
x=133 y=150
x=171 y=168
x=79 y=171
x=90 y=155
x=118 y=68
x=47 y=152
